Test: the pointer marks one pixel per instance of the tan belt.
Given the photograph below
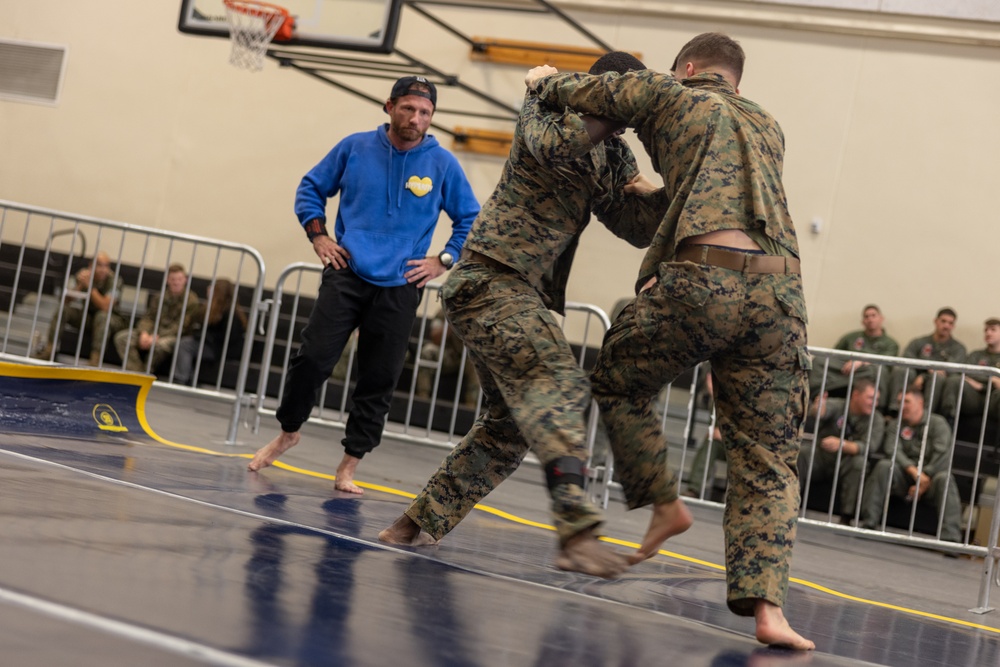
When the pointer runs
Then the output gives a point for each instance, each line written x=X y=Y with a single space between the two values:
x=478 y=257
x=736 y=261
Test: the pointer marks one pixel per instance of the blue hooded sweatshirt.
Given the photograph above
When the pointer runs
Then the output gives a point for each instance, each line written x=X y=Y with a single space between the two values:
x=390 y=201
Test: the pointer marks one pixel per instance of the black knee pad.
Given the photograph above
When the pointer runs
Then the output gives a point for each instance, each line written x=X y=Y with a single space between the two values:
x=564 y=470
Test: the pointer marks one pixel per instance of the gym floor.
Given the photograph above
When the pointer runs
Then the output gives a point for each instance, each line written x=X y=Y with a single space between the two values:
x=145 y=541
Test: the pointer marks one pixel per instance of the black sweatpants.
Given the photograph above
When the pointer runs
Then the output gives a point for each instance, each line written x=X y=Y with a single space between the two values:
x=384 y=317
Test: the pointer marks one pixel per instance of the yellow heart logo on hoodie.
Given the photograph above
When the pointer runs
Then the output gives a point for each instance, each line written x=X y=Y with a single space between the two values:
x=419 y=186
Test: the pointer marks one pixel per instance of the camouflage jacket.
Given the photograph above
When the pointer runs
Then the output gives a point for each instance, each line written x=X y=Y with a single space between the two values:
x=911 y=440
x=108 y=287
x=859 y=341
x=926 y=348
x=720 y=155
x=170 y=314
x=533 y=220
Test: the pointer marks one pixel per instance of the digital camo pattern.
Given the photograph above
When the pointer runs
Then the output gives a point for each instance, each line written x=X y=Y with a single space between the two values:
x=752 y=328
x=533 y=220
x=720 y=155
x=534 y=392
x=534 y=395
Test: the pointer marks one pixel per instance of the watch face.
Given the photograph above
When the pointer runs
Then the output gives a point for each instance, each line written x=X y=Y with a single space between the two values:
x=446 y=258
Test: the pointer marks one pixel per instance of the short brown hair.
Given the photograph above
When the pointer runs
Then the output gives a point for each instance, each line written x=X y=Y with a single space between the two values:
x=993 y=322
x=862 y=384
x=174 y=268
x=713 y=49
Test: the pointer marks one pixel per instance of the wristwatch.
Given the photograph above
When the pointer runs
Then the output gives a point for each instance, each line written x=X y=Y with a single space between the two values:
x=446 y=259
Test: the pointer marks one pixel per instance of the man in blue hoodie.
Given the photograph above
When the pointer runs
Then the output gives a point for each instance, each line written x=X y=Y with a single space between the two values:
x=393 y=184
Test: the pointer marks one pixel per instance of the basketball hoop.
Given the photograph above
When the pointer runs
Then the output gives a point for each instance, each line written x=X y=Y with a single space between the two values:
x=252 y=26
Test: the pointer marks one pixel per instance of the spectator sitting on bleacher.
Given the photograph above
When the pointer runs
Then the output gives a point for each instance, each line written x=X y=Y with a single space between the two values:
x=903 y=472
x=156 y=333
x=974 y=393
x=216 y=323
x=872 y=339
x=938 y=346
x=99 y=281
x=852 y=418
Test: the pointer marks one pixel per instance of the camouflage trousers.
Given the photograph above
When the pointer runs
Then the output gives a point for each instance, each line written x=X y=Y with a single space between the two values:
x=752 y=328
x=534 y=397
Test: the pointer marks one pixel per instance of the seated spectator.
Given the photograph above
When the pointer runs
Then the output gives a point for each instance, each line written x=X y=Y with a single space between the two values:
x=904 y=473
x=97 y=281
x=860 y=424
x=451 y=362
x=871 y=339
x=974 y=392
x=224 y=315
x=156 y=333
x=938 y=346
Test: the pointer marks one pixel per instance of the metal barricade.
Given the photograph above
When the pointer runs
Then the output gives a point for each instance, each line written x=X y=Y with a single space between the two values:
x=433 y=404
x=974 y=460
x=46 y=307
x=973 y=452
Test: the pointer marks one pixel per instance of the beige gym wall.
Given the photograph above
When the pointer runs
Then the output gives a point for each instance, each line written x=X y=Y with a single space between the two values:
x=892 y=143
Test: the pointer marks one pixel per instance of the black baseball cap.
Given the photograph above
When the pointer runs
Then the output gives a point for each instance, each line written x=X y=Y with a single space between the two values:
x=404 y=86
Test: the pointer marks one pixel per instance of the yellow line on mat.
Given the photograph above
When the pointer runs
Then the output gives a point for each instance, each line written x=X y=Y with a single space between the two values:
x=145 y=382
x=611 y=540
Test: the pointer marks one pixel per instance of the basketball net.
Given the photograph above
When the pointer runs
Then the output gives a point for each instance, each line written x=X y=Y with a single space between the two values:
x=252 y=26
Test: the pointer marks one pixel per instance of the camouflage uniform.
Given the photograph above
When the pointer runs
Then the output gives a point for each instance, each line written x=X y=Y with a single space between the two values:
x=720 y=157
x=97 y=319
x=927 y=348
x=167 y=330
x=888 y=476
x=498 y=299
x=824 y=463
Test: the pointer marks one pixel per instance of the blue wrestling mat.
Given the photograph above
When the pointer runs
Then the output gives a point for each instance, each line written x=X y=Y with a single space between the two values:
x=72 y=402
x=122 y=548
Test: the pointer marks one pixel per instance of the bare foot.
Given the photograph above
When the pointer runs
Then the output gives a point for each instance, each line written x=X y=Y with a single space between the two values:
x=270 y=452
x=773 y=629
x=405 y=530
x=669 y=519
x=345 y=475
x=584 y=553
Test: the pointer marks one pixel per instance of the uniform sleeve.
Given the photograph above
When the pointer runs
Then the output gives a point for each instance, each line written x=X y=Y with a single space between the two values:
x=320 y=184
x=552 y=137
x=634 y=218
x=877 y=435
x=629 y=97
x=938 y=436
x=912 y=349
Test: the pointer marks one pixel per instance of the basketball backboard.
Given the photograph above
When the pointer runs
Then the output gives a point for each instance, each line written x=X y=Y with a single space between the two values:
x=355 y=25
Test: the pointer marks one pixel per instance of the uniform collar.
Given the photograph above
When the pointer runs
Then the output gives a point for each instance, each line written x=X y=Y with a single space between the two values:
x=710 y=81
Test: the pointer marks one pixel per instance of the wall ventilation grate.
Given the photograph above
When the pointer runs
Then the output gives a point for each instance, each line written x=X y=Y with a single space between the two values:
x=31 y=72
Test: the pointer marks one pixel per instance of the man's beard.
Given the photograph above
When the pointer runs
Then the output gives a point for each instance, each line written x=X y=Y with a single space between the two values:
x=407 y=133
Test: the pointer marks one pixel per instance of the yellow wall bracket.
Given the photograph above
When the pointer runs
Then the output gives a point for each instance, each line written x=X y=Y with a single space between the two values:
x=487 y=142
x=530 y=54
